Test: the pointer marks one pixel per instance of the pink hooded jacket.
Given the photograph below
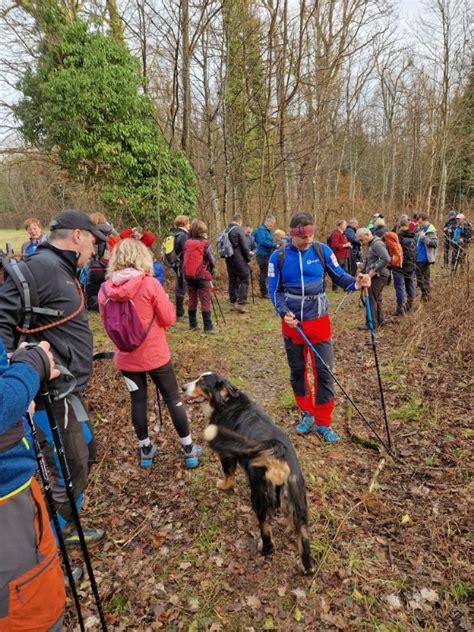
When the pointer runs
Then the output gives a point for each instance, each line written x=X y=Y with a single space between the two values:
x=149 y=298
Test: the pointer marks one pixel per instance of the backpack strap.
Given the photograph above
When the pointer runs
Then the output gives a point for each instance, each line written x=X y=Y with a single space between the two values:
x=26 y=286
x=318 y=249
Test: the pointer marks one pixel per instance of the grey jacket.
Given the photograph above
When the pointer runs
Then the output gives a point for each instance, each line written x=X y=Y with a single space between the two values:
x=378 y=257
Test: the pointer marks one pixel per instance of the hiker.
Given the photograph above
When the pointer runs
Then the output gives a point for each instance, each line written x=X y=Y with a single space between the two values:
x=404 y=276
x=32 y=594
x=92 y=275
x=131 y=291
x=181 y=234
x=296 y=277
x=147 y=239
x=33 y=228
x=462 y=236
x=251 y=243
x=280 y=238
x=371 y=224
x=427 y=249
x=265 y=247
x=376 y=264
x=354 y=252
x=379 y=228
x=52 y=269
x=448 y=231
x=340 y=246
x=198 y=267
x=238 y=266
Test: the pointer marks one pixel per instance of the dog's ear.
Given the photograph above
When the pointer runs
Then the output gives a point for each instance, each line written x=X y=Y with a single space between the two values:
x=222 y=384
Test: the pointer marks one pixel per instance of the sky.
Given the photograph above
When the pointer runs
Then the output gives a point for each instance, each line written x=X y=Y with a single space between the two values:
x=409 y=10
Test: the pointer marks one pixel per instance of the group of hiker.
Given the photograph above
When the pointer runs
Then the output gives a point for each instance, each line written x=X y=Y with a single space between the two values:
x=42 y=303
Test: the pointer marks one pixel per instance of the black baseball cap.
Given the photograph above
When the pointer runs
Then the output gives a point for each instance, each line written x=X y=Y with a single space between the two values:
x=72 y=218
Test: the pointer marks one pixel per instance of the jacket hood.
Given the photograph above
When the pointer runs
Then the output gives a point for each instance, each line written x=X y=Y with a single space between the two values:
x=124 y=284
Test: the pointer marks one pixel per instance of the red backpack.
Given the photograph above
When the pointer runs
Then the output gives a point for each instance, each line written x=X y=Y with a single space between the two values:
x=193 y=260
x=394 y=248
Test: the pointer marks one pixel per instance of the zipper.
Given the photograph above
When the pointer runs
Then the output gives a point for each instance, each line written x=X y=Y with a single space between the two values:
x=40 y=526
x=302 y=284
x=18 y=587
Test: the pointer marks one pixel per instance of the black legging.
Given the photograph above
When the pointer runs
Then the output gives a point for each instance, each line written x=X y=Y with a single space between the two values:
x=165 y=381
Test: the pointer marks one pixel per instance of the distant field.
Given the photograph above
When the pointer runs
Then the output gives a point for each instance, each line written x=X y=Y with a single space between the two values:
x=16 y=237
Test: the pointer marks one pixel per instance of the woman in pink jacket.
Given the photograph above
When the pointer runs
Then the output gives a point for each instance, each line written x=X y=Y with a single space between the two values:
x=130 y=279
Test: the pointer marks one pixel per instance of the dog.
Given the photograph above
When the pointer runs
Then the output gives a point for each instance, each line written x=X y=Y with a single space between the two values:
x=242 y=433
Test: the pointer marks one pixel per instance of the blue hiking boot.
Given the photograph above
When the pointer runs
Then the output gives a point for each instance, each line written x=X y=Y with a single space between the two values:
x=191 y=459
x=326 y=433
x=147 y=453
x=306 y=423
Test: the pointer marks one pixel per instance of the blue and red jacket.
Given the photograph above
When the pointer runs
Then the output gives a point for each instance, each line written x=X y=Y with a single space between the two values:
x=299 y=287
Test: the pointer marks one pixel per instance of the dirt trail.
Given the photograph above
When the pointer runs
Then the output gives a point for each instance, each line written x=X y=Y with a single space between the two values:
x=182 y=556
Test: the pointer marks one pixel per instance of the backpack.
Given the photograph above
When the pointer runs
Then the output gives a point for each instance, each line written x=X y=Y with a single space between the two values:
x=224 y=245
x=394 y=248
x=122 y=323
x=26 y=286
x=319 y=253
x=169 y=256
x=193 y=261
x=409 y=250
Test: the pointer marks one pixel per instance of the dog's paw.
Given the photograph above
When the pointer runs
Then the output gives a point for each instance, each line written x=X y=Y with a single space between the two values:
x=225 y=485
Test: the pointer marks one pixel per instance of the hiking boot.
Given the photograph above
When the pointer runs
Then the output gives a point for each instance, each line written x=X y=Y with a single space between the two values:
x=265 y=296
x=408 y=306
x=77 y=575
x=326 y=433
x=191 y=458
x=193 y=323
x=147 y=453
x=91 y=536
x=306 y=423
x=233 y=306
x=208 y=327
x=363 y=328
x=180 y=309
x=241 y=309
x=399 y=311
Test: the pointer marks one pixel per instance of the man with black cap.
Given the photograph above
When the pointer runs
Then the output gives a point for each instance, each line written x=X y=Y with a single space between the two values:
x=61 y=320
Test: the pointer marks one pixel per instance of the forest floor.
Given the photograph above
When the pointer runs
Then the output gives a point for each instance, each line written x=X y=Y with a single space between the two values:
x=180 y=555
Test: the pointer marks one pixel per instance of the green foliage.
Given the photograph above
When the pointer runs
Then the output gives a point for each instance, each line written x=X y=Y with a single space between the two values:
x=461 y=178
x=83 y=101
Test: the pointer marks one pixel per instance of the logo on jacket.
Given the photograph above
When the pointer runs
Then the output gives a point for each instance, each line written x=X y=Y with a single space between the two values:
x=271 y=270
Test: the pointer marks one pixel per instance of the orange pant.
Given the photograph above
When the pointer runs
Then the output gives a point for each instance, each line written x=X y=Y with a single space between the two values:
x=36 y=596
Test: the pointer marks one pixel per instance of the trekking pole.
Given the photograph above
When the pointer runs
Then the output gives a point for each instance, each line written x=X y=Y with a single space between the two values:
x=341 y=303
x=370 y=323
x=219 y=305
x=58 y=444
x=43 y=472
x=328 y=369
x=214 y=310
x=251 y=286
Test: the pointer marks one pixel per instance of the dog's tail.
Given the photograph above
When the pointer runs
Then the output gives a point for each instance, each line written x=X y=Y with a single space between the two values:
x=267 y=454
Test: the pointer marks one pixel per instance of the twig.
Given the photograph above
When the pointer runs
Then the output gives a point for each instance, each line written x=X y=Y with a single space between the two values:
x=379 y=468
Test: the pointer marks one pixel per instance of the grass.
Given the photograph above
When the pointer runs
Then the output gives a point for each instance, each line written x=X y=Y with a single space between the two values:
x=411 y=410
x=15 y=237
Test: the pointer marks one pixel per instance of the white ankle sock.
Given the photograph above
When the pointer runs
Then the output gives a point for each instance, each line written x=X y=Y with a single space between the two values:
x=143 y=443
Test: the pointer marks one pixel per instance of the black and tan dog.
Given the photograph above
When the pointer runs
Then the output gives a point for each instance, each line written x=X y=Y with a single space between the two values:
x=240 y=432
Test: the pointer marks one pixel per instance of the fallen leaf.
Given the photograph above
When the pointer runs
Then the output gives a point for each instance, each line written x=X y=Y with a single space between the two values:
x=253 y=602
x=393 y=601
x=299 y=593
x=405 y=519
x=298 y=614
x=281 y=590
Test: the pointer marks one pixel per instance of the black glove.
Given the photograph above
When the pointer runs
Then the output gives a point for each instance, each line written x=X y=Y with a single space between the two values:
x=36 y=357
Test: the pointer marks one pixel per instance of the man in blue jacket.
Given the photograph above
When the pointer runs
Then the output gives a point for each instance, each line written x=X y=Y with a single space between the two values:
x=265 y=247
x=298 y=293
